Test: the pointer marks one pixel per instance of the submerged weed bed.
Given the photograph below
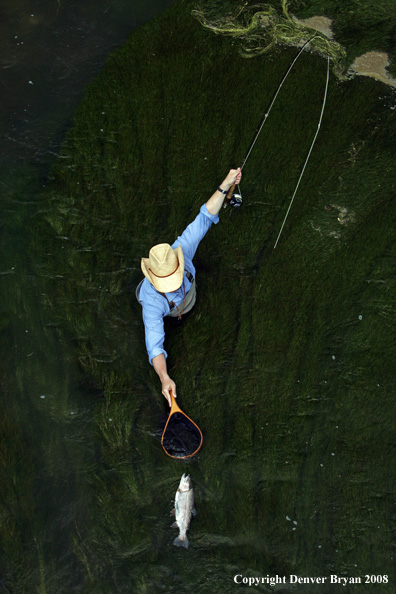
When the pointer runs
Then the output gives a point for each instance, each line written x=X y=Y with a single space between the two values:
x=287 y=361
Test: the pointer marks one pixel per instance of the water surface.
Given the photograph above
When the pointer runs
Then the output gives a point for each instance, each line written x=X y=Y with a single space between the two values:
x=286 y=363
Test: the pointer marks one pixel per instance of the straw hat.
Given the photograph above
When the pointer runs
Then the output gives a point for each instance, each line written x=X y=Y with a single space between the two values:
x=164 y=267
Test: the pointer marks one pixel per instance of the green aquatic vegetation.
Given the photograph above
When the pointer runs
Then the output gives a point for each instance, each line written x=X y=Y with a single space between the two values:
x=260 y=27
x=293 y=371
x=358 y=25
x=114 y=421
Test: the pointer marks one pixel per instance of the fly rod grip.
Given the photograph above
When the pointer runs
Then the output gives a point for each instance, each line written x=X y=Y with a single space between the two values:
x=230 y=193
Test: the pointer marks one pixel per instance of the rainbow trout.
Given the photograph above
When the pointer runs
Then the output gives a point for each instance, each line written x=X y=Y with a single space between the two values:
x=184 y=510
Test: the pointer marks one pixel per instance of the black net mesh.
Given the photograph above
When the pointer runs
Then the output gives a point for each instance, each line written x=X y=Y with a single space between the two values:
x=181 y=438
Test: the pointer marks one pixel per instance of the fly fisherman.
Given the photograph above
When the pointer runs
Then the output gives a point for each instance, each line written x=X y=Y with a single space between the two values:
x=169 y=287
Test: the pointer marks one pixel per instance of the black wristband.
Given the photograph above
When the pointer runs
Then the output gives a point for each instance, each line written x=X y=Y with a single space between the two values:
x=225 y=192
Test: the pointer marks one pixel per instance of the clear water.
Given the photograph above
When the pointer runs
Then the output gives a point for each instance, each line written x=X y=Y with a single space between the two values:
x=291 y=381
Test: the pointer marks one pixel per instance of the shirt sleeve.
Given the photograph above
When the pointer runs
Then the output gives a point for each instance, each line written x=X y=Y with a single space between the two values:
x=192 y=235
x=154 y=331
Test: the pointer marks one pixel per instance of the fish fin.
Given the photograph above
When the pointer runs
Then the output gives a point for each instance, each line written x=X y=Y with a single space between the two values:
x=173 y=512
x=181 y=542
x=175 y=525
x=194 y=512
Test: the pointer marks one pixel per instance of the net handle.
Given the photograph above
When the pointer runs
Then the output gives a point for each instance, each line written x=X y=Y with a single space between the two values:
x=174 y=406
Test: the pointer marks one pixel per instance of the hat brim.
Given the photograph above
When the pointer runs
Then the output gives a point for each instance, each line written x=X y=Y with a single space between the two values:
x=166 y=284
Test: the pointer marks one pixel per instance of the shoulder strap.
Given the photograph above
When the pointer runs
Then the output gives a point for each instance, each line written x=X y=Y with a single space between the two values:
x=171 y=304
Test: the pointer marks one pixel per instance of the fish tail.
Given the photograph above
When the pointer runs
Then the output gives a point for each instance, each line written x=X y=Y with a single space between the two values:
x=181 y=542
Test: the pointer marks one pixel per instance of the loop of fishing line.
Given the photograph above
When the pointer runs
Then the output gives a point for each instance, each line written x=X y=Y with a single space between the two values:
x=264 y=119
x=309 y=153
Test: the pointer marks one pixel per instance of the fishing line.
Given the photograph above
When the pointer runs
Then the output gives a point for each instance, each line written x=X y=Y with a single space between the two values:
x=265 y=116
x=262 y=122
x=309 y=153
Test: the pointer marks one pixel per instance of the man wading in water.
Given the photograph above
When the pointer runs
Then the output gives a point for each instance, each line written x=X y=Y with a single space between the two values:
x=169 y=287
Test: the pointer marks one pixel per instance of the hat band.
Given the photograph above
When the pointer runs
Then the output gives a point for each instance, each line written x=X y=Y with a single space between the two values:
x=166 y=275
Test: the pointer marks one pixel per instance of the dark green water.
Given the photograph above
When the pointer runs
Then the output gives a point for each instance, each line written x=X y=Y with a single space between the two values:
x=287 y=363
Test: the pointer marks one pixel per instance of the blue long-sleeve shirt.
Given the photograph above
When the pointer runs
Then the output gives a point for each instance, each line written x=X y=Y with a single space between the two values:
x=155 y=306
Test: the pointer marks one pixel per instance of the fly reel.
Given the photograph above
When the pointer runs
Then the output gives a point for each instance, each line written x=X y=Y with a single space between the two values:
x=235 y=200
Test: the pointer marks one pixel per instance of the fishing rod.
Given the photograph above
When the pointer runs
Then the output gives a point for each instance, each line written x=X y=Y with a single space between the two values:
x=238 y=198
